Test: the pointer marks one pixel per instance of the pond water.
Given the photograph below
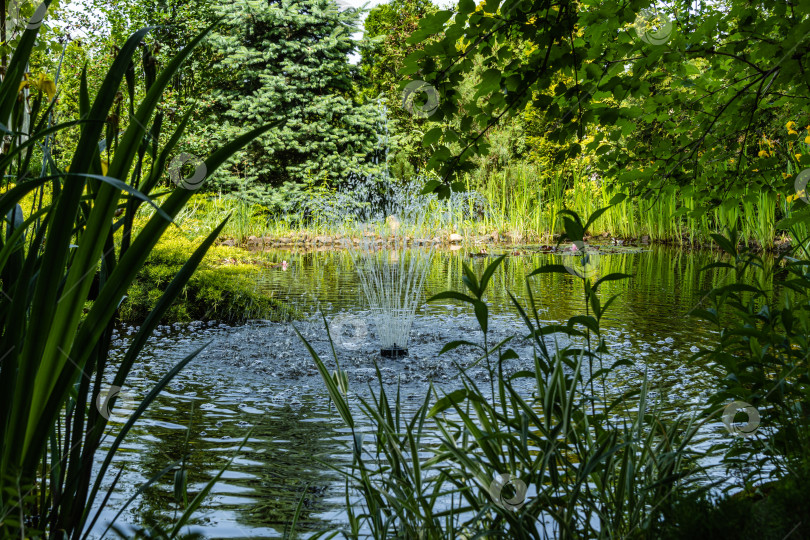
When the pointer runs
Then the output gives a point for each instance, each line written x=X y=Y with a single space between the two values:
x=258 y=378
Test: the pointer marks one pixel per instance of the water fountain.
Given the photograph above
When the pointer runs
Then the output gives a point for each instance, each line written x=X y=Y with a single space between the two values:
x=375 y=214
x=392 y=279
x=392 y=276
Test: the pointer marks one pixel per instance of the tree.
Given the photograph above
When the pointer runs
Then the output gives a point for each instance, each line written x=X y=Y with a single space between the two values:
x=287 y=62
x=711 y=77
x=387 y=28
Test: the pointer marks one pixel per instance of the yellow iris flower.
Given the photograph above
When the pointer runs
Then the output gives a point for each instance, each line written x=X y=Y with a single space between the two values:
x=41 y=83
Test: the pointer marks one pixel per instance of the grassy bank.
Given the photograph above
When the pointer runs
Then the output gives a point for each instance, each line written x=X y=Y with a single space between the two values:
x=224 y=288
x=511 y=205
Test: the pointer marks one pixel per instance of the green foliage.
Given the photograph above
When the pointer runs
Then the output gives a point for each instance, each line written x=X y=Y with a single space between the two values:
x=223 y=288
x=774 y=511
x=664 y=112
x=17 y=16
x=383 y=52
x=761 y=356
x=605 y=474
x=65 y=267
x=287 y=62
x=481 y=35
x=387 y=26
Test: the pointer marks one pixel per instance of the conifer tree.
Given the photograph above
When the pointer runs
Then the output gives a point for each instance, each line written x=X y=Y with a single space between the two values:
x=288 y=61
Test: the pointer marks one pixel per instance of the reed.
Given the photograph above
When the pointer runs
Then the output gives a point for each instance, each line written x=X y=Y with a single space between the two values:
x=521 y=201
x=65 y=269
x=564 y=460
x=762 y=327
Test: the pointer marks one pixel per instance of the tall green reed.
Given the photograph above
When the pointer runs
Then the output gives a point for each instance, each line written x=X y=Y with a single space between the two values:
x=761 y=356
x=524 y=201
x=65 y=269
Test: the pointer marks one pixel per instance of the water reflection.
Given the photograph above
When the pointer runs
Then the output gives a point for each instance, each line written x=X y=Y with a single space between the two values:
x=258 y=380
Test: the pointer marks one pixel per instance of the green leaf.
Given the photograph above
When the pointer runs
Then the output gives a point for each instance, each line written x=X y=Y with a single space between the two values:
x=595 y=216
x=611 y=277
x=589 y=322
x=482 y=314
x=490 y=269
x=466 y=6
x=455 y=344
x=550 y=269
x=453 y=398
x=431 y=137
x=717 y=265
x=490 y=81
x=451 y=295
x=725 y=244
x=430 y=186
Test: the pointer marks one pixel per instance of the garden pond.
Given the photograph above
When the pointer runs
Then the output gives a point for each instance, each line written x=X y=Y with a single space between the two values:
x=259 y=379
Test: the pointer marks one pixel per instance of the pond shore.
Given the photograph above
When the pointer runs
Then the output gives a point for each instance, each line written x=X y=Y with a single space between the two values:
x=324 y=242
x=225 y=290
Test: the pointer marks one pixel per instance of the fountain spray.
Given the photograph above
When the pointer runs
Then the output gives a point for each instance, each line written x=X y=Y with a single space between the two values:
x=392 y=279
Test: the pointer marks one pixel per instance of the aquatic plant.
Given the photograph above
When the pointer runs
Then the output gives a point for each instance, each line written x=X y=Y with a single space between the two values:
x=563 y=461
x=65 y=268
x=761 y=358
x=520 y=201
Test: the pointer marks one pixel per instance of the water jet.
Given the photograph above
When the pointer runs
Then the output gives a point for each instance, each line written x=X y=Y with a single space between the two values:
x=392 y=280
